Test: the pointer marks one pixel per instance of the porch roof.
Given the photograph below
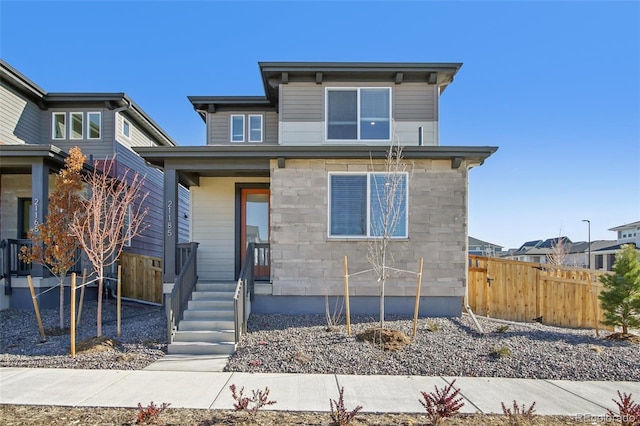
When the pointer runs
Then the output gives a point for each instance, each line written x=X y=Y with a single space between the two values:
x=192 y=162
x=19 y=158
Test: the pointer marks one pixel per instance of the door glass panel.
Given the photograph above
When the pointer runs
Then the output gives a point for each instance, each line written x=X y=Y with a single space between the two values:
x=257 y=218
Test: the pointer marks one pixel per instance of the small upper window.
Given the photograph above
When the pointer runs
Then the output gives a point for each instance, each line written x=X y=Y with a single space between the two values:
x=93 y=125
x=358 y=114
x=237 y=128
x=77 y=126
x=255 y=128
x=59 y=129
x=126 y=128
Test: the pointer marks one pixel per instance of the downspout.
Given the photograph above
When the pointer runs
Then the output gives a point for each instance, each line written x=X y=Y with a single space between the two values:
x=467 y=307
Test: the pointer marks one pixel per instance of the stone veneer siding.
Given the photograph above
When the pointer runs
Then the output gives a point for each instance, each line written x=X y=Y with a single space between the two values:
x=306 y=262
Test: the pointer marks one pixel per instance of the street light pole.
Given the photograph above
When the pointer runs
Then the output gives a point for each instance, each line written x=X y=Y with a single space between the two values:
x=589 y=248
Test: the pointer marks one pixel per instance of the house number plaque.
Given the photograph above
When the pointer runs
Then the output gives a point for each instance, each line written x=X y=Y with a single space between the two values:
x=169 y=219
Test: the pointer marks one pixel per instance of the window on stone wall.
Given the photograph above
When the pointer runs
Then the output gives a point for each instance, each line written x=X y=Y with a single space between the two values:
x=364 y=204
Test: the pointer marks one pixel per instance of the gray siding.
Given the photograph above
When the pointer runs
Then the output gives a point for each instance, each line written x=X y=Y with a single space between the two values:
x=20 y=119
x=137 y=135
x=302 y=102
x=415 y=102
x=151 y=241
x=305 y=101
x=302 y=110
x=219 y=124
x=98 y=149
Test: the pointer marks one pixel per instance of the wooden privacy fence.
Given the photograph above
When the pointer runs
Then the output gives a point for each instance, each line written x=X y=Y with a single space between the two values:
x=141 y=277
x=522 y=291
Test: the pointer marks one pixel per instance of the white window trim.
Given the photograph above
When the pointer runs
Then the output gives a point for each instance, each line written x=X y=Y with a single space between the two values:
x=244 y=124
x=124 y=120
x=368 y=236
x=53 y=125
x=261 y=128
x=71 y=114
x=357 y=89
x=89 y=125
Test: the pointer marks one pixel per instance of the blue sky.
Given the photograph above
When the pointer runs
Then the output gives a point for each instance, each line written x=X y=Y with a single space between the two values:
x=555 y=85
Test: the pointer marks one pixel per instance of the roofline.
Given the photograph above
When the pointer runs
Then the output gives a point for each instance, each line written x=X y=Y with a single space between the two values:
x=158 y=156
x=21 y=81
x=360 y=66
x=628 y=225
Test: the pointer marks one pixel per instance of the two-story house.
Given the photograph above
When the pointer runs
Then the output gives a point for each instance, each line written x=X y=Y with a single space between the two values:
x=37 y=128
x=294 y=170
x=604 y=256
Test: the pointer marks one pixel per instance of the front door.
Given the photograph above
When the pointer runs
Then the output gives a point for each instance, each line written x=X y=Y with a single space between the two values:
x=254 y=228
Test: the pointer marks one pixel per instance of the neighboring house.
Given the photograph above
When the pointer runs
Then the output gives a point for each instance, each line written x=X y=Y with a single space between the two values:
x=483 y=248
x=37 y=128
x=536 y=251
x=296 y=168
x=604 y=256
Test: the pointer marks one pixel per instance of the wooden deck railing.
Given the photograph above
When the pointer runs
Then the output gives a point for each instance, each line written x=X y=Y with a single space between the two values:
x=522 y=291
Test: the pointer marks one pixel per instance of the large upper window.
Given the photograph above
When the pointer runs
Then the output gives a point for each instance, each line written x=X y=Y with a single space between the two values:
x=358 y=113
x=368 y=205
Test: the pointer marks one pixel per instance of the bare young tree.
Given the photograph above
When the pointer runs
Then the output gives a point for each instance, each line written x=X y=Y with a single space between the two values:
x=113 y=213
x=559 y=251
x=52 y=243
x=389 y=209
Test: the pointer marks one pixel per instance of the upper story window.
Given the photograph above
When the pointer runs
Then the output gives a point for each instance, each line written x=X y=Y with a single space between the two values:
x=368 y=205
x=358 y=113
x=255 y=128
x=126 y=128
x=240 y=132
x=77 y=125
x=59 y=129
x=94 y=125
x=237 y=128
x=76 y=128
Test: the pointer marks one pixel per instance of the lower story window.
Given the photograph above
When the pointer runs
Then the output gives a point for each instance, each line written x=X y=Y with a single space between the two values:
x=368 y=205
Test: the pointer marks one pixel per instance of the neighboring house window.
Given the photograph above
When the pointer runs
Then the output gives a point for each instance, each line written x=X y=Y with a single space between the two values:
x=255 y=128
x=598 y=261
x=237 y=128
x=59 y=129
x=357 y=207
x=358 y=114
x=93 y=125
x=77 y=125
x=126 y=128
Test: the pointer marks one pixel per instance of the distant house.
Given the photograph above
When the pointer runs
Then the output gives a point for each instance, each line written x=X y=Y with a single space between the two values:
x=604 y=255
x=482 y=248
x=37 y=128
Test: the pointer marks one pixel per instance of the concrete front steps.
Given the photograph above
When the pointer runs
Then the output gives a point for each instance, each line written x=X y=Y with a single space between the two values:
x=208 y=324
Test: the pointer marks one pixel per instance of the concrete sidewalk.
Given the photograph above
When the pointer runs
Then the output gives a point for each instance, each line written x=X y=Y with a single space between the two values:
x=299 y=392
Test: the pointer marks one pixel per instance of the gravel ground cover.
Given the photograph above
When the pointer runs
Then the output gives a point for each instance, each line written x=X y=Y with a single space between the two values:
x=302 y=344
x=443 y=346
x=143 y=339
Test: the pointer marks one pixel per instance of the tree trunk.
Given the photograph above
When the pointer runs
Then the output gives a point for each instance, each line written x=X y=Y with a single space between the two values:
x=99 y=315
x=61 y=302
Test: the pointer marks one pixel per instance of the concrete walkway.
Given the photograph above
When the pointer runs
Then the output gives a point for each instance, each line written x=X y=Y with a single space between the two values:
x=299 y=392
